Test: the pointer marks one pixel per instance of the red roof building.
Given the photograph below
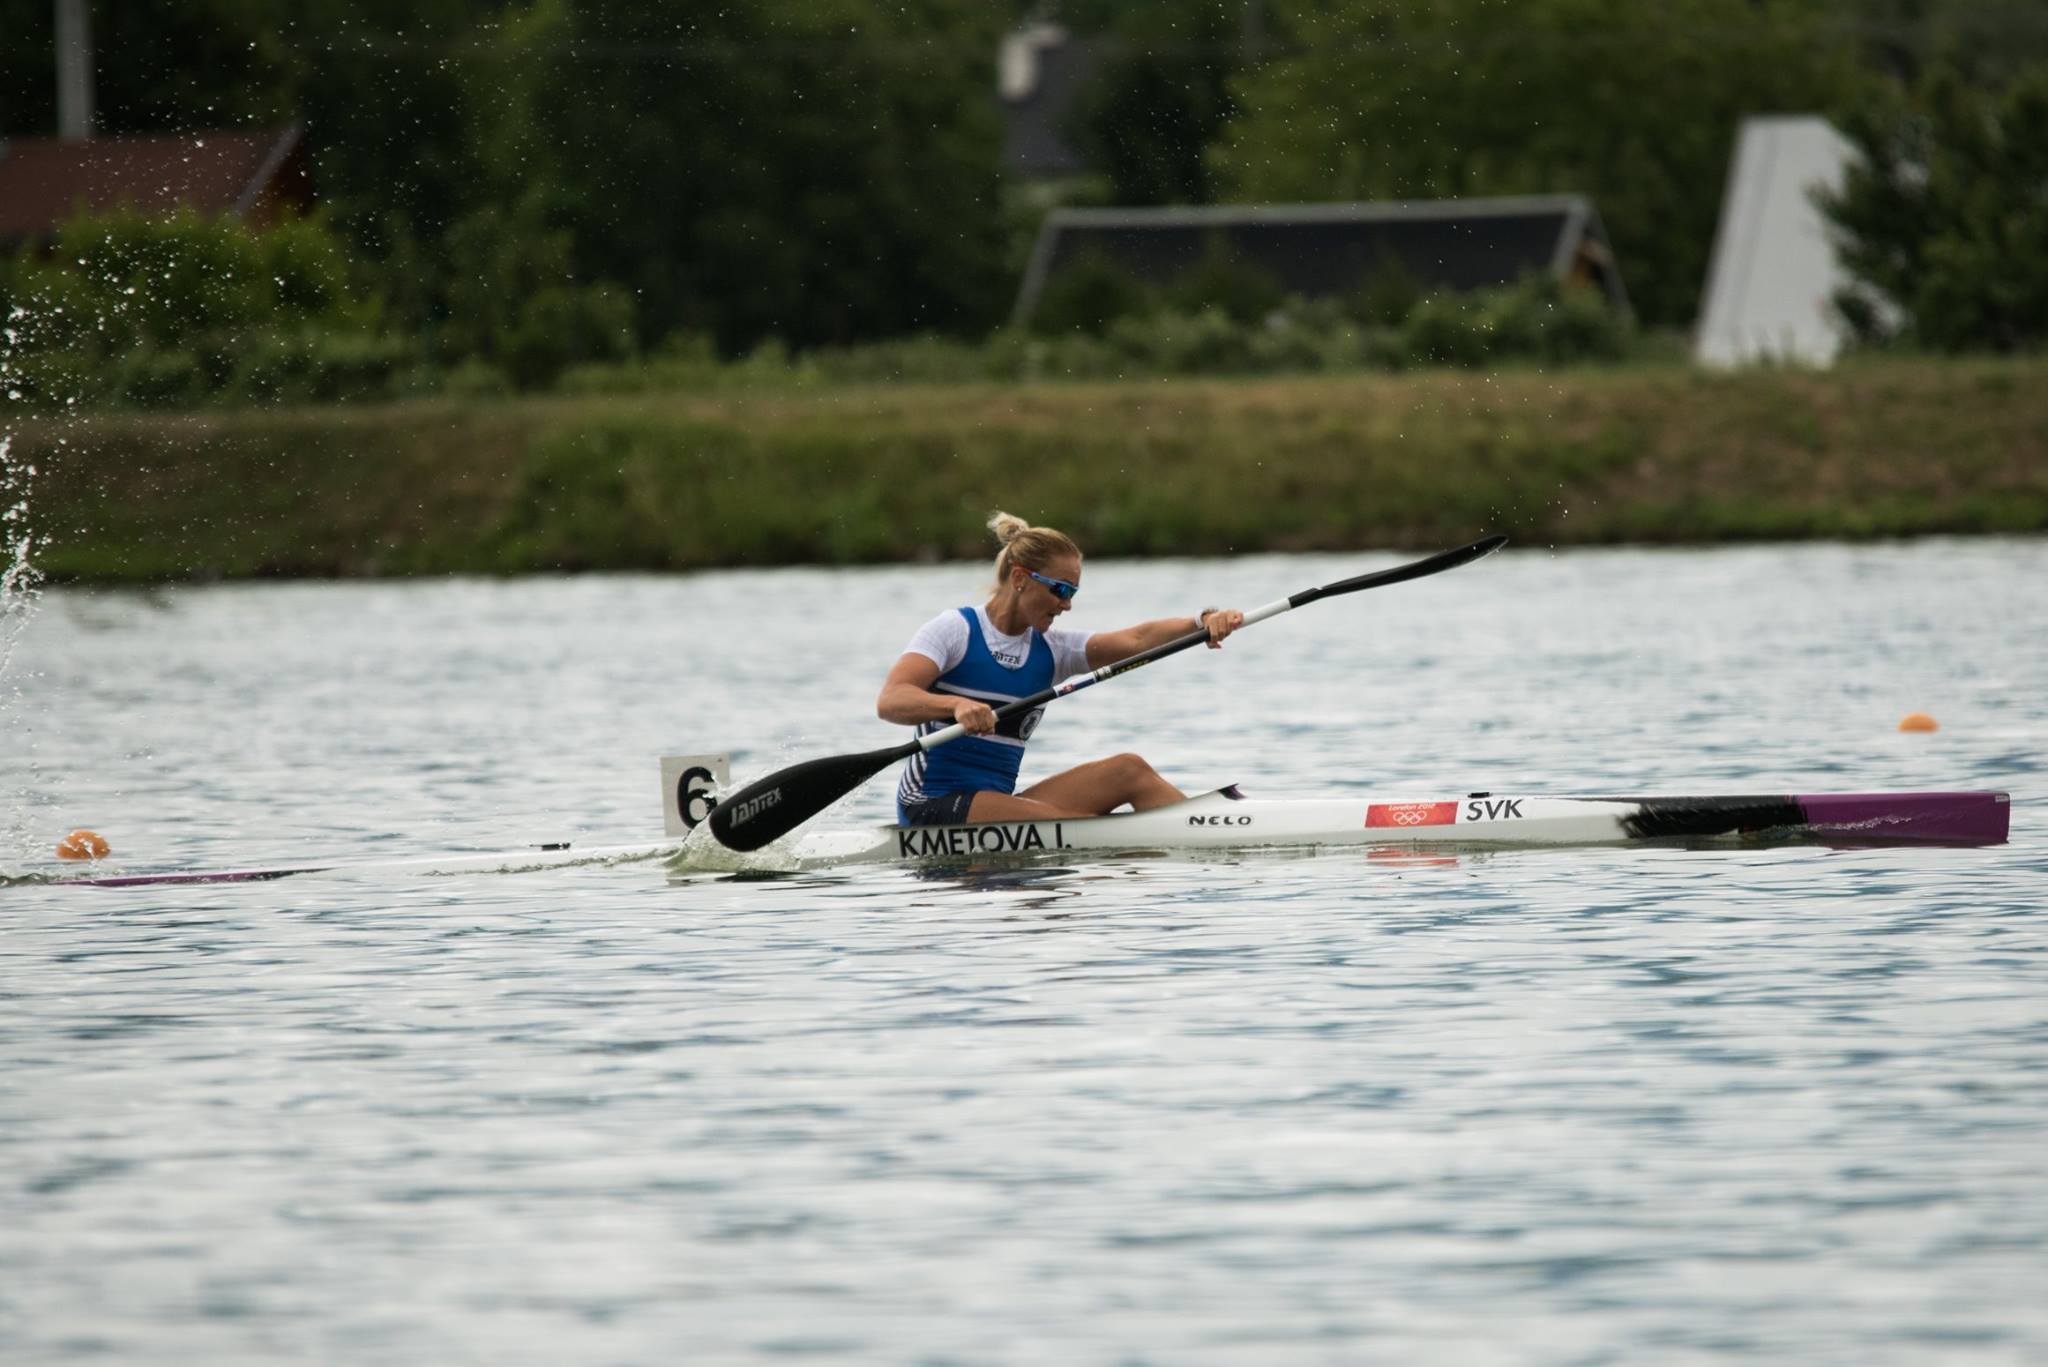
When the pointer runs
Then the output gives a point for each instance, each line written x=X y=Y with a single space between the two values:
x=255 y=177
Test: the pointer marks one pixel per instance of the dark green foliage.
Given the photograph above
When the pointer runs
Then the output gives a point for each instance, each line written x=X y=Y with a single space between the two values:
x=113 y=281
x=820 y=171
x=1227 y=317
x=1388 y=295
x=513 y=301
x=1161 y=97
x=1988 y=42
x=1945 y=220
x=147 y=378
x=1088 y=295
x=1239 y=290
x=1207 y=342
x=1536 y=320
x=923 y=359
x=1445 y=330
x=1635 y=105
x=528 y=189
x=127 y=309
x=1094 y=291
x=319 y=367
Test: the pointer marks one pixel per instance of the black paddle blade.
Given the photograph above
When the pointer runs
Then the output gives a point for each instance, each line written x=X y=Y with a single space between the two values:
x=1400 y=574
x=771 y=807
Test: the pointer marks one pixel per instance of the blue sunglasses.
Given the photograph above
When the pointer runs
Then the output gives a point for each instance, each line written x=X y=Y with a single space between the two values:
x=1061 y=589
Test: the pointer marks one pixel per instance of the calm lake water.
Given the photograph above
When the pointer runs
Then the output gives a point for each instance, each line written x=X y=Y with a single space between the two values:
x=1590 y=1106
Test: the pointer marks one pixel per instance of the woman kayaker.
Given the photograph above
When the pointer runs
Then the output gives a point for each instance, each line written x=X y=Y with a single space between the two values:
x=963 y=664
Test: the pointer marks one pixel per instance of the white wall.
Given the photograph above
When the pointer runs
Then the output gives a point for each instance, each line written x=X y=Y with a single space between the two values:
x=1774 y=270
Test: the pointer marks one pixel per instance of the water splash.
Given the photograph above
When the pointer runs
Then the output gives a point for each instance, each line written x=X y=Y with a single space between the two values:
x=20 y=586
x=20 y=589
x=699 y=853
x=20 y=581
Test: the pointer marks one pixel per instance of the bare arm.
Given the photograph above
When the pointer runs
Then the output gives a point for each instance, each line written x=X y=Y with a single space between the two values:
x=907 y=698
x=1107 y=647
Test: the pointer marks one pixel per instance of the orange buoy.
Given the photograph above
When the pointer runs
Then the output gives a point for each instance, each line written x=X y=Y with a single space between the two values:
x=1918 y=721
x=82 y=845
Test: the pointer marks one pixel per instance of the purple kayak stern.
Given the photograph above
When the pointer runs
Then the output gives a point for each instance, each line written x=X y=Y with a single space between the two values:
x=1937 y=818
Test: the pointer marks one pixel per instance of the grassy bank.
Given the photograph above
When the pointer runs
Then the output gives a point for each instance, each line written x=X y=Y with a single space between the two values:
x=877 y=473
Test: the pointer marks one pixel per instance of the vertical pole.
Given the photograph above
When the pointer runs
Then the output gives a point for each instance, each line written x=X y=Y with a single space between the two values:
x=74 y=70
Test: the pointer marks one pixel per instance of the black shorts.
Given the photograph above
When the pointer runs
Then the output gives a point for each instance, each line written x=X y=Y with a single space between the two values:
x=947 y=809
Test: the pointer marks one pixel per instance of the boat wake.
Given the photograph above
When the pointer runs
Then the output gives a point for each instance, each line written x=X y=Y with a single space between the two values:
x=533 y=859
x=700 y=853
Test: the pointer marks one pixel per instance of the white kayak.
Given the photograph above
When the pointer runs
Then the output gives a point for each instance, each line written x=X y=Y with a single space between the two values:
x=1229 y=819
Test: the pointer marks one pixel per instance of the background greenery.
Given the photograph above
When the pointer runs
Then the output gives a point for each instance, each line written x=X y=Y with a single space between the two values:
x=850 y=473
x=515 y=191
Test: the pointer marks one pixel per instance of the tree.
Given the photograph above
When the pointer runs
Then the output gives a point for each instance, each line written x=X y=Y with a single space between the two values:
x=1987 y=41
x=1634 y=105
x=1944 y=222
x=821 y=171
x=1162 y=96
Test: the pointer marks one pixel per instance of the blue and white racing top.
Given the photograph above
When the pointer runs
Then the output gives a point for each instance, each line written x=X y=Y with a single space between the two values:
x=976 y=660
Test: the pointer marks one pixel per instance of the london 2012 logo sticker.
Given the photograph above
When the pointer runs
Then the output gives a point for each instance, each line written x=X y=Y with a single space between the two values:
x=1411 y=814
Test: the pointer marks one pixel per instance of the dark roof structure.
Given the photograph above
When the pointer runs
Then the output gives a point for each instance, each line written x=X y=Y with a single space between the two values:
x=1320 y=250
x=255 y=177
x=1043 y=71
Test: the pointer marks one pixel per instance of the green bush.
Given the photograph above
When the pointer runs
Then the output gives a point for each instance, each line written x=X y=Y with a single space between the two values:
x=561 y=324
x=923 y=359
x=1545 y=320
x=126 y=309
x=1447 y=330
x=476 y=379
x=1537 y=320
x=1580 y=326
x=1292 y=343
x=1389 y=293
x=51 y=379
x=1088 y=295
x=110 y=282
x=1226 y=317
x=172 y=378
x=1204 y=343
x=307 y=366
x=684 y=362
x=517 y=303
x=1240 y=291
x=1017 y=355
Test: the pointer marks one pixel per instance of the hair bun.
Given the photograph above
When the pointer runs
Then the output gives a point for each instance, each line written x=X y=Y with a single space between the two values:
x=1007 y=527
x=1023 y=544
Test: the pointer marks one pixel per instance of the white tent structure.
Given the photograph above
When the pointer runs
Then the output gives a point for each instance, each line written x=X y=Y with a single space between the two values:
x=1774 y=270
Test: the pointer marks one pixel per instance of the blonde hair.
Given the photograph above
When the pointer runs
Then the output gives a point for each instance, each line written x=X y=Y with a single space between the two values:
x=1023 y=544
